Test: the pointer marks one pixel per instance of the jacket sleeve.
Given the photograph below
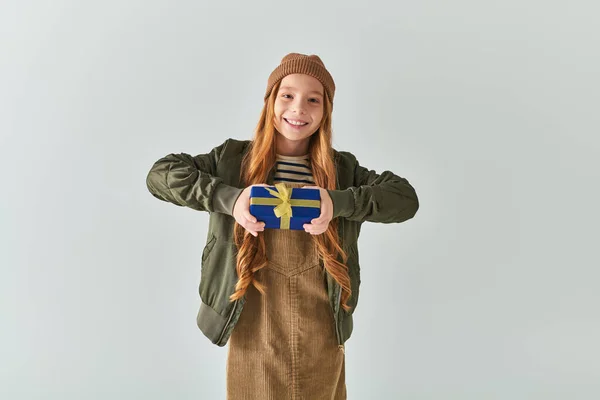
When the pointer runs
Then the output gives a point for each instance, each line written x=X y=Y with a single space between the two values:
x=384 y=197
x=191 y=182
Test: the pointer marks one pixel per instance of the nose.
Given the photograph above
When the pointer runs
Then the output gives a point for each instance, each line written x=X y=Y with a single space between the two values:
x=297 y=106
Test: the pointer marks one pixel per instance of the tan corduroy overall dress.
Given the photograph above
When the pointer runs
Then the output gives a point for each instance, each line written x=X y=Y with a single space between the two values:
x=284 y=345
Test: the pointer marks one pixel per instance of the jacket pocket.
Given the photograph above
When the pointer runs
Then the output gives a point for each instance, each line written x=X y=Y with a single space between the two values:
x=208 y=247
x=354 y=273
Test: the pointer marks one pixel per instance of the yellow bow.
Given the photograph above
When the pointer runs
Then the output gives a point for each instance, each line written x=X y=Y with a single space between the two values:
x=284 y=209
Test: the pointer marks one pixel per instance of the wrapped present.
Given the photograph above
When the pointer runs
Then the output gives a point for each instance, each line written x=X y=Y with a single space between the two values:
x=282 y=207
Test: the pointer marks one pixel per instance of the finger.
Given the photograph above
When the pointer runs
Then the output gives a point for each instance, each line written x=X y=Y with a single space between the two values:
x=320 y=228
x=249 y=217
x=252 y=222
x=257 y=226
x=316 y=231
x=309 y=228
x=320 y=221
x=252 y=230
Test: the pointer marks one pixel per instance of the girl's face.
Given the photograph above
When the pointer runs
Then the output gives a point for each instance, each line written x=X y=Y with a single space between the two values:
x=298 y=112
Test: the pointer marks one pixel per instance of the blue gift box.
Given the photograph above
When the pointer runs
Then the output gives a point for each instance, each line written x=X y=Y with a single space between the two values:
x=282 y=207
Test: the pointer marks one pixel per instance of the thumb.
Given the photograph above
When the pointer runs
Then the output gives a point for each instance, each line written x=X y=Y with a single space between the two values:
x=249 y=216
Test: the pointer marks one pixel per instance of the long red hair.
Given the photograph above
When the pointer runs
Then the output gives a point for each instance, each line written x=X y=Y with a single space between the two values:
x=256 y=165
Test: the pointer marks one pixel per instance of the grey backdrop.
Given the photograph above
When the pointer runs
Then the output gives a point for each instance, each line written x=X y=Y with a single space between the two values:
x=490 y=109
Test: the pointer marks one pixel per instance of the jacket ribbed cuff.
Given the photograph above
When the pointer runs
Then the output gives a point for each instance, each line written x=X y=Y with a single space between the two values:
x=224 y=198
x=343 y=202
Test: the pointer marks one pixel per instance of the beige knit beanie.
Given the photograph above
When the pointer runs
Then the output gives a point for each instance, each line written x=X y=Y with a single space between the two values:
x=296 y=63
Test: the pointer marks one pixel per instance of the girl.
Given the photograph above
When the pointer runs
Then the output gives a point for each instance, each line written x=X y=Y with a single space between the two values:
x=283 y=299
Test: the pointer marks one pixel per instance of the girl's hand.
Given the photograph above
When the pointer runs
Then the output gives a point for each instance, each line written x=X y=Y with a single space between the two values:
x=241 y=212
x=320 y=224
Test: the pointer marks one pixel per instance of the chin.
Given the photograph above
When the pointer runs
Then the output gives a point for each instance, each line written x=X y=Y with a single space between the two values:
x=295 y=136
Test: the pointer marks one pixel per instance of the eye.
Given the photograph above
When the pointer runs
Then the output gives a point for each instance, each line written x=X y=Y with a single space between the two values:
x=315 y=100
x=285 y=95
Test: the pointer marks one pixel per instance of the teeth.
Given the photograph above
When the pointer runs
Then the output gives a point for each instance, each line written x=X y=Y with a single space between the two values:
x=296 y=122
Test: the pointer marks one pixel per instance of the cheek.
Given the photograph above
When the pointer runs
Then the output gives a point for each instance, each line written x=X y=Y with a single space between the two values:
x=319 y=117
x=276 y=122
x=276 y=114
x=277 y=109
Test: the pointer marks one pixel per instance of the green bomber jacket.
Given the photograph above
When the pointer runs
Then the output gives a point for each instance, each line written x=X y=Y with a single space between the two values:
x=211 y=182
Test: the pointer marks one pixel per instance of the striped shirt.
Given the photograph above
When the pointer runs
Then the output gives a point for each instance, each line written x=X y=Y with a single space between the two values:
x=294 y=169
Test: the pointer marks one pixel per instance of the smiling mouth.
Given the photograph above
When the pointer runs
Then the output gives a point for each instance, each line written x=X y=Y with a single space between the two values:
x=295 y=125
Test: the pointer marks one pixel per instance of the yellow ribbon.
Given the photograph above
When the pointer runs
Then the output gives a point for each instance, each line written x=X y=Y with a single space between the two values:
x=283 y=203
x=283 y=193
